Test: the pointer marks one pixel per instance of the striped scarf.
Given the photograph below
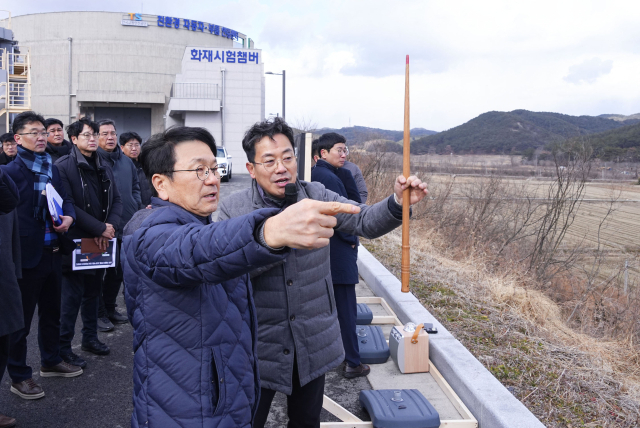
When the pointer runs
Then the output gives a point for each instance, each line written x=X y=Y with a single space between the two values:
x=40 y=165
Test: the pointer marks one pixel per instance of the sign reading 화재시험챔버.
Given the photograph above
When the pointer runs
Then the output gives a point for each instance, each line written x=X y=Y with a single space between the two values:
x=228 y=56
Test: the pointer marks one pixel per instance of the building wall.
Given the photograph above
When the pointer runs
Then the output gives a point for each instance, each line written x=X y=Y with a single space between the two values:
x=243 y=103
x=129 y=66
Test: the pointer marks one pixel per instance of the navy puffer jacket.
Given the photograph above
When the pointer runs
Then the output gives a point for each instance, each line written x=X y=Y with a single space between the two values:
x=189 y=300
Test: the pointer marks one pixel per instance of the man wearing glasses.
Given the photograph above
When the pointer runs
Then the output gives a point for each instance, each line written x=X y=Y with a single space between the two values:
x=332 y=151
x=89 y=180
x=57 y=146
x=126 y=180
x=298 y=332
x=9 y=148
x=131 y=143
x=40 y=243
x=187 y=286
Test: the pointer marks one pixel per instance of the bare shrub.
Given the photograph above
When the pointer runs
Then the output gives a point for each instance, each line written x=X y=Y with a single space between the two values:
x=520 y=229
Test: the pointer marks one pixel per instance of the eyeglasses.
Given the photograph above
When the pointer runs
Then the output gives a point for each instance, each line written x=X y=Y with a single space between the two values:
x=44 y=134
x=88 y=135
x=342 y=151
x=133 y=145
x=271 y=164
x=201 y=171
x=9 y=144
x=108 y=134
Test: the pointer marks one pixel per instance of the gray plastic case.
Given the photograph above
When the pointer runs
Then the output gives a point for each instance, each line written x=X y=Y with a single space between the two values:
x=372 y=344
x=414 y=411
x=364 y=315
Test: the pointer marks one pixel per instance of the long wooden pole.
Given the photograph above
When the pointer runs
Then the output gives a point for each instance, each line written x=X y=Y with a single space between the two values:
x=406 y=171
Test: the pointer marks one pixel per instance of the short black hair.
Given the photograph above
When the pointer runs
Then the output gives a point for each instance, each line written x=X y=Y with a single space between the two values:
x=328 y=140
x=106 y=122
x=158 y=154
x=314 y=148
x=266 y=128
x=75 y=129
x=52 y=121
x=127 y=136
x=23 y=119
x=6 y=137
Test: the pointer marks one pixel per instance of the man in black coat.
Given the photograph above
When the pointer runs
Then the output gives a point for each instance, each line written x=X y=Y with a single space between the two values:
x=91 y=185
x=131 y=144
x=57 y=146
x=128 y=186
x=40 y=242
x=9 y=148
x=332 y=152
x=11 y=318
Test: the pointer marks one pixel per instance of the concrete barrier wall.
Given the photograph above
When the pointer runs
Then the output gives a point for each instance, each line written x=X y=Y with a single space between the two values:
x=489 y=401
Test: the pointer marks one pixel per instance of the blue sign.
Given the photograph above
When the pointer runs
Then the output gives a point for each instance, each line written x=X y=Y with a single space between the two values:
x=230 y=57
x=193 y=25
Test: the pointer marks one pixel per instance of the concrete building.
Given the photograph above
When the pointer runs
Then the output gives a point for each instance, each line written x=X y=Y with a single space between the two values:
x=15 y=82
x=147 y=72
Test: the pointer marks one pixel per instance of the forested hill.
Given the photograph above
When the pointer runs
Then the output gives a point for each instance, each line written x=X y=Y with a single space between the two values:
x=361 y=134
x=512 y=132
x=617 y=144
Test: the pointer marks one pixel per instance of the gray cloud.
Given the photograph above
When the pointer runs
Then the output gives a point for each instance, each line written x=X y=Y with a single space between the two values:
x=588 y=71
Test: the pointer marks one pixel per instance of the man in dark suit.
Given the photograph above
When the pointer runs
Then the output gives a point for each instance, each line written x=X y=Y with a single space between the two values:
x=332 y=151
x=40 y=242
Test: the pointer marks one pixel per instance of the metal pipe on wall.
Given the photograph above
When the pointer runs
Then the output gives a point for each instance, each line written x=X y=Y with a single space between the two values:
x=70 y=80
x=222 y=108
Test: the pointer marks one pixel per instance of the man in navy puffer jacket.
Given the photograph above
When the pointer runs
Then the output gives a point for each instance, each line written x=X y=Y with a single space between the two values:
x=187 y=289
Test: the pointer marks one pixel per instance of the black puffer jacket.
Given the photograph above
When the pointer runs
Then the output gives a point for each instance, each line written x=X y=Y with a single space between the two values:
x=92 y=210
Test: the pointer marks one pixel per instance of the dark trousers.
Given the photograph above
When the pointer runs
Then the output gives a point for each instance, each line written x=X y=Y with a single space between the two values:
x=303 y=405
x=111 y=286
x=347 y=309
x=80 y=291
x=4 y=353
x=40 y=287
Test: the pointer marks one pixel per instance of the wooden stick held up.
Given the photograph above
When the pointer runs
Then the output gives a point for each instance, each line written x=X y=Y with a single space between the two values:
x=406 y=171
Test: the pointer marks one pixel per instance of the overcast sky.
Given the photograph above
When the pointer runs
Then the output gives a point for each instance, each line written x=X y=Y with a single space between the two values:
x=345 y=59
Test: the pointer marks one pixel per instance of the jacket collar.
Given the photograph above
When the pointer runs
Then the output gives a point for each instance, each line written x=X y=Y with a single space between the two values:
x=62 y=149
x=113 y=156
x=257 y=192
x=159 y=203
x=77 y=155
x=324 y=164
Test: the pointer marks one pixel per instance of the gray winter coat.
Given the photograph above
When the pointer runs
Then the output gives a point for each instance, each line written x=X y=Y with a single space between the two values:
x=294 y=299
x=126 y=176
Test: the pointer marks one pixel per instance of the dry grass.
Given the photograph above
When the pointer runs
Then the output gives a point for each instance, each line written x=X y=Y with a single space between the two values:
x=566 y=378
x=550 y=318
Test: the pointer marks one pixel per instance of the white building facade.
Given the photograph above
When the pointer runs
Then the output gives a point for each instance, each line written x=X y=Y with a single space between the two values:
x=146 y=72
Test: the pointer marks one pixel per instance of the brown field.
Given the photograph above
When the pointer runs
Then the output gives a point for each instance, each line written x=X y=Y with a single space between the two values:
x=607 y=219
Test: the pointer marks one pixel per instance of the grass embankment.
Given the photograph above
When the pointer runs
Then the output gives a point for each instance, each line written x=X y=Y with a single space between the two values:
x=565 y=378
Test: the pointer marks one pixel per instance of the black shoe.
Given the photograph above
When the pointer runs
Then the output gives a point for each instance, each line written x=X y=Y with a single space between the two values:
x=117 y=318
x=73 y=359
x=96 y=347
x=353 y=372
x=104 y=324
